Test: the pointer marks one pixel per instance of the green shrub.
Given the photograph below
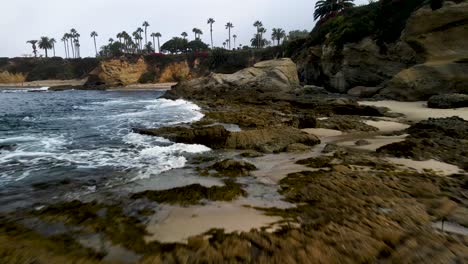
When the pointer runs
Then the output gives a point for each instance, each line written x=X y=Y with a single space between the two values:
x=147 y=77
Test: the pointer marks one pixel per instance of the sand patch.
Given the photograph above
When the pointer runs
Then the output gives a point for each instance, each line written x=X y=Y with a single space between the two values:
x=441 y=168
x=323 y=132
x=417 y=111
x=181 y=223
x=387 y=126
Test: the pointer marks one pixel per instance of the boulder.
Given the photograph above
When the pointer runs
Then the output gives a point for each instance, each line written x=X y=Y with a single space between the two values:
x=298 y=147
x=363 y=92
x=446 y=101
x=267 y=77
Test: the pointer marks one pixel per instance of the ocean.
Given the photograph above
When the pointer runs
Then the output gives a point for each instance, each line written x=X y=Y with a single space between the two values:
x=63 y=145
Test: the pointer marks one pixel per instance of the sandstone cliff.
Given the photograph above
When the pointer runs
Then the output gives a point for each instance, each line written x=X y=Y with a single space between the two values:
x=430 y=57
x=441 y=37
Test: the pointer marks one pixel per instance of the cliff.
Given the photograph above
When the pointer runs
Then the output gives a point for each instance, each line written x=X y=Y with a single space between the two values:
x=426 y=56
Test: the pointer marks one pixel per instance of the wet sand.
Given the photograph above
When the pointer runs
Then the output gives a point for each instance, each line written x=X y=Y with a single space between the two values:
x=417 y=111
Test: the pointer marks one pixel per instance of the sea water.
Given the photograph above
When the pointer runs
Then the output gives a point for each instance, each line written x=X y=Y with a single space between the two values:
x=52 y=143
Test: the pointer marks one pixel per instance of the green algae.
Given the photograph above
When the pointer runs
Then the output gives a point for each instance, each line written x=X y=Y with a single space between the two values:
x=194 y=194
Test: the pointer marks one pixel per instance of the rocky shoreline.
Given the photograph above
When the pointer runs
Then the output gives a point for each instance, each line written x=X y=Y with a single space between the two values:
x=348 y=188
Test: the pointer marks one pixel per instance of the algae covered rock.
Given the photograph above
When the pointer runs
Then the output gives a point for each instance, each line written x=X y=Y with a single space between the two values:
x=446 y=101
x=233 y=168
x=270 y=140
x=213 y=136
x=194 y=194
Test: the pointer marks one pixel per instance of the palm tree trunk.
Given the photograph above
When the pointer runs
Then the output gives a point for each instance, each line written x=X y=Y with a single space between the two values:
x=258 y=39
x=229 y=39
x=95 y=46
x=211 y=33
x=72 y=48
x=46 y=53
x=146 y=37
x=154 y=43
x=53 y=47
x=159 y=46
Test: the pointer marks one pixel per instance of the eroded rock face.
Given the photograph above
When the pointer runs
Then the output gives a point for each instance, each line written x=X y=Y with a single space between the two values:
x=441 y=37
x=267 y=77
x=117 y=73
x=357 y=64
x=446 y=101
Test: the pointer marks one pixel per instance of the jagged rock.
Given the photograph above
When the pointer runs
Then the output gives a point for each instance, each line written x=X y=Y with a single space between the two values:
x=446 y=101
x=267 y=77
x=345 y=123
x=213 y=136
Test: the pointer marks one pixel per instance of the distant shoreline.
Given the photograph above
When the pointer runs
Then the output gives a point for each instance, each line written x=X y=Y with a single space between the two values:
x=79 y=84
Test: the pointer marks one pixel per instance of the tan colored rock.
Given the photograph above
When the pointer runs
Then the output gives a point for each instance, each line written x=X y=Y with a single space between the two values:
x=175 y=72
x=441 y=36
x=273 y=77
x=118 y=72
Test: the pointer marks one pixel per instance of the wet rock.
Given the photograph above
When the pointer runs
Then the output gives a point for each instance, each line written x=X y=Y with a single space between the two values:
x=345 y=123
x=194 y=194
x=251 y=154
x=270 y=139
x=233 y=168
x=446 y=101
x=318 y=162
x=297 y=147
x=362 y=142
x=7 y=147
x=443 y=139
x=213 y=137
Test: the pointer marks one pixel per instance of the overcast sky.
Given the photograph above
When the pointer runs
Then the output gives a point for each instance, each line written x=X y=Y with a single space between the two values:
x=22 y=20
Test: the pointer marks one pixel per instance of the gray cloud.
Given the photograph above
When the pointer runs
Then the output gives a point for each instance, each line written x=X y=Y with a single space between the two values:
x=22 y=20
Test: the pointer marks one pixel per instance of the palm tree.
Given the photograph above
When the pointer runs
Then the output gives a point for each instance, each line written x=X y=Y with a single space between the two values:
x=146 y=25
x=278 y=34
x=45 y=44
x=140 y=30
x=262 y=31
x=111 y=40
x=64 y=40
x=33 y=44
x=69 y=43
x=325 y=8
x=258 y=24
x=94 y=34
x=53 y=41
x=229 y=25
x=184 y=35
x=224 y=44
x=234 y=37
x=158 y=35
x=211 y=21
x=195 y=32
x=153 y=35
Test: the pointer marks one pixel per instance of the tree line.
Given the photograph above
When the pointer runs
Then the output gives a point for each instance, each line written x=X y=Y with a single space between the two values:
x=137 y=43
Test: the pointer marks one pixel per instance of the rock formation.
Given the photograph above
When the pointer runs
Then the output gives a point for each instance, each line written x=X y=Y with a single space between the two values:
x=267 y=78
